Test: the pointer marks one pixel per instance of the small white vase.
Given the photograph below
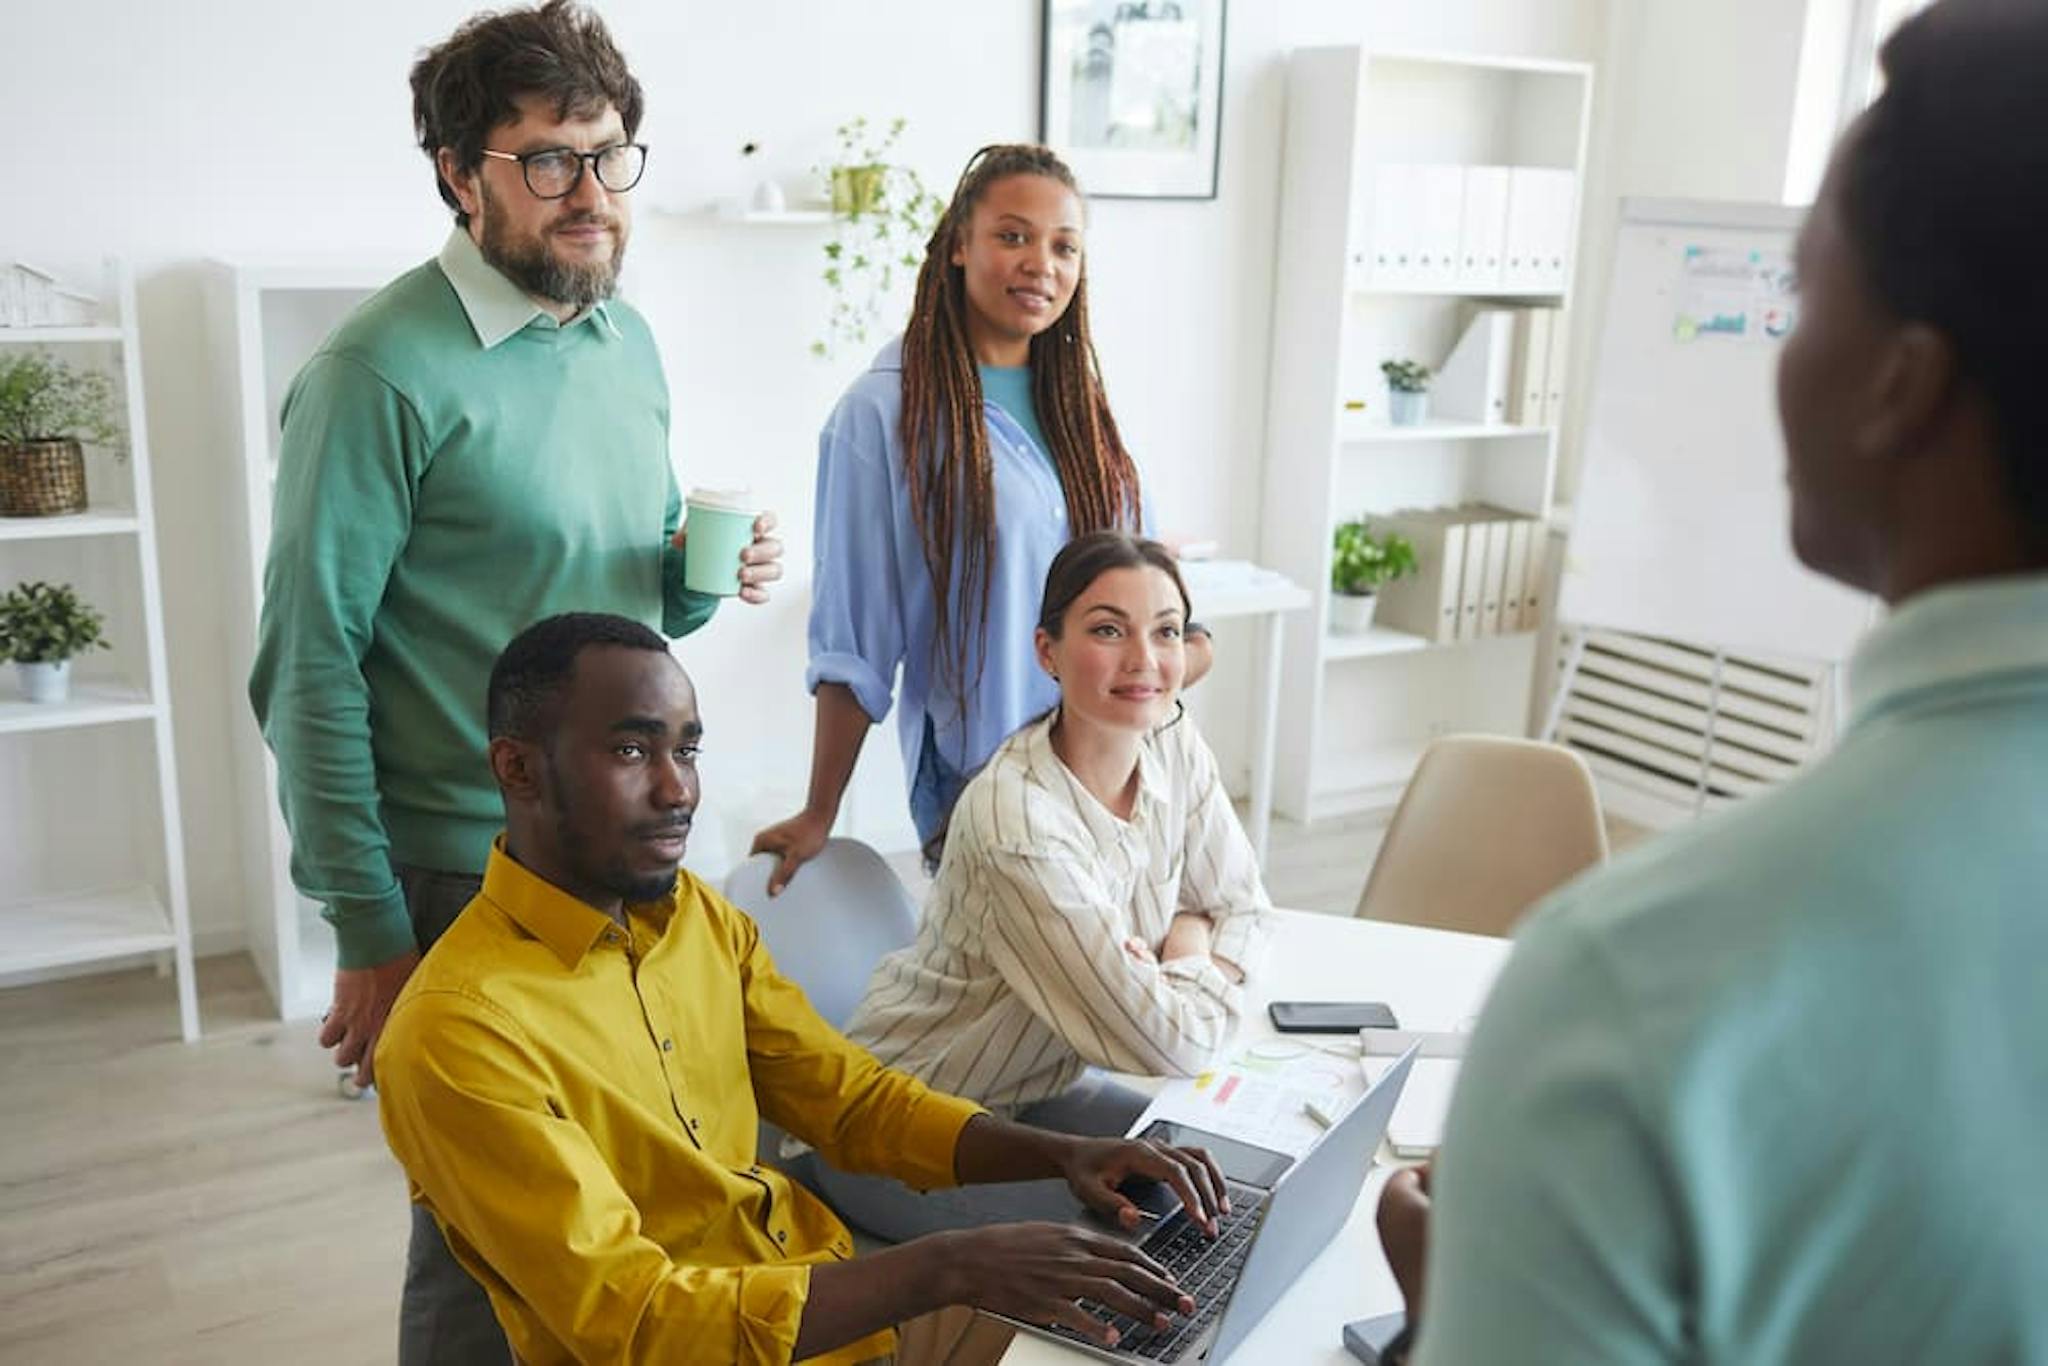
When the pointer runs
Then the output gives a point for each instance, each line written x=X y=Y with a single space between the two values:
x=45 y=682
x=1408 y=409
x=768 y=198
x=1351 y=613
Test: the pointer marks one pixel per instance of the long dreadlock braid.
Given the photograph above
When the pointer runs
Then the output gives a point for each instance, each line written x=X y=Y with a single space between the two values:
x=947 y=468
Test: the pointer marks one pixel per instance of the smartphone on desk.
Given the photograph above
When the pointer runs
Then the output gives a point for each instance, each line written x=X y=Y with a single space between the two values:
x=1330 y=1017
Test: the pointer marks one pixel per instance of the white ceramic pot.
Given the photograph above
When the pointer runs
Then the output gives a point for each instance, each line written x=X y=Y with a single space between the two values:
x=45 y=682
x=1351 y=613
x=1408 y=409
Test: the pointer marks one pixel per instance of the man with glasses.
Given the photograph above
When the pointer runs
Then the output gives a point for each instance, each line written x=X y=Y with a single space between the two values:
x=482 y=444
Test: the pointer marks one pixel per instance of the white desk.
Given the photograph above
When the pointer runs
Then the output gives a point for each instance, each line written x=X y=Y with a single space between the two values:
x=1432 y=979
x=1269 y=602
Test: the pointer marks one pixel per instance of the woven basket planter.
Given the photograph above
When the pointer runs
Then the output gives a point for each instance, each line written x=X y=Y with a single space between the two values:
x=41 y=478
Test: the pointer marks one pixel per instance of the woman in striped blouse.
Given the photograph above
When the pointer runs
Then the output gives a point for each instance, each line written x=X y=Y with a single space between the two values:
x=1098 y=904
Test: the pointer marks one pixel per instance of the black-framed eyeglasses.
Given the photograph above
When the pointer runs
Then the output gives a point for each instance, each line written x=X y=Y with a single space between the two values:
x=555 y=172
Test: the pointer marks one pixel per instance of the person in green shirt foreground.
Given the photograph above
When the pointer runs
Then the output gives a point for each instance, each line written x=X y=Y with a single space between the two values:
x=482 y=444
x=1774 y=1090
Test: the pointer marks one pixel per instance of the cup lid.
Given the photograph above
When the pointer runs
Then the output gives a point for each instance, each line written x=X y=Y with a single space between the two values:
x=724 y=500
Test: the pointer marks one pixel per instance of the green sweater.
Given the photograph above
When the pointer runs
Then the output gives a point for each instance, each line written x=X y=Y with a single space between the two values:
x=455 y=466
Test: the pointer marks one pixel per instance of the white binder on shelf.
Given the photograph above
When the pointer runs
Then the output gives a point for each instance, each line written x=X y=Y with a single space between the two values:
x=1493 y=576
x=1515 y=587
x=1472 y=583
x=1538 y=578
x=1440 y=224
x=1391 y=218
x=1560 y=192
x=1539 y=229
x=1483 y=227
x=1531 y=371
x=1553 y=384
x=1474 y=384
x=1427 y=603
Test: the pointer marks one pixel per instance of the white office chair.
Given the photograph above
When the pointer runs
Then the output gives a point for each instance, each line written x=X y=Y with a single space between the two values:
x=1487 y=827
x=841 y=914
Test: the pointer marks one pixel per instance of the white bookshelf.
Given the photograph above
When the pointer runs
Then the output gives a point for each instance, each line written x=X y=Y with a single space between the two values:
x=94 y=521
x=1357 y=429
x=86 y=927
x=1416 y=187
x=266 y=317
x=93 y=869
x=1380 y=640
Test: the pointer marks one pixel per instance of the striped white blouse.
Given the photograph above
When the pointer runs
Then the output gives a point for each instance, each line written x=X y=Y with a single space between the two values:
x=1018 y=979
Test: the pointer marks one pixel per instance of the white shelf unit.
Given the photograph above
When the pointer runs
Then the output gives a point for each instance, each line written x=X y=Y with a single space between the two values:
x=1361 y=123
x=93 y=869
x=265 y=319
x=755 y=218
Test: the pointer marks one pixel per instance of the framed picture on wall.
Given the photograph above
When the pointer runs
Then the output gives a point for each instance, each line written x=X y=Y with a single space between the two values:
x=1131 y=94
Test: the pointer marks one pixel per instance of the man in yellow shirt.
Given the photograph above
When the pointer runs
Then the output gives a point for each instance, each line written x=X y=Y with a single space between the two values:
x=574 y=1077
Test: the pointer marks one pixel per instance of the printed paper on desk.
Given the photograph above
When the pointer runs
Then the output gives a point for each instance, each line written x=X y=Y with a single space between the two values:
x=1260 y=1094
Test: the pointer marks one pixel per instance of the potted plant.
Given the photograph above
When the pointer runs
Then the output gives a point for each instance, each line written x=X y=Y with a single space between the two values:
x=1360 y=564
x=42 y=626
x=47 y=408
x=1408 y=390
x=881 y=214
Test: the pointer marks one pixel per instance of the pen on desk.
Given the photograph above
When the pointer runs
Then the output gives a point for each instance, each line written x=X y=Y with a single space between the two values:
x=1316 y=1113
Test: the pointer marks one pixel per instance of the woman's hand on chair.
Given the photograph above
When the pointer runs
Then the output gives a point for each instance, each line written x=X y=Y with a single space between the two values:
x=794 y=843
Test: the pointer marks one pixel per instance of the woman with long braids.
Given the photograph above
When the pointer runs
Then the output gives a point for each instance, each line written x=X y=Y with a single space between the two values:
x=949 y=475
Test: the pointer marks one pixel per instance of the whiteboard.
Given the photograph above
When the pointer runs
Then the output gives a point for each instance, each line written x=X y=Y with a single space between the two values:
x=1682 y=524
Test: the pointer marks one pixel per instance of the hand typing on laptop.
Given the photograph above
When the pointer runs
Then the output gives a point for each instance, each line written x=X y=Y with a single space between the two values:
x=1037 y=1273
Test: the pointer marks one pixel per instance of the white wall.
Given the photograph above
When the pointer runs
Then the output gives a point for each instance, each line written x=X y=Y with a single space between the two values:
x=174 y=132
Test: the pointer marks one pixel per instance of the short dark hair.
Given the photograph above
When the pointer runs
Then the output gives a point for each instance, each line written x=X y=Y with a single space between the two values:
x=1086 y=558
x=1945 y=195
x=470 y=84
x=530 y=675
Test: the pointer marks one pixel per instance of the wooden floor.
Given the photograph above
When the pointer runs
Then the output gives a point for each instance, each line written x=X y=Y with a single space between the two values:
x=219 y=1203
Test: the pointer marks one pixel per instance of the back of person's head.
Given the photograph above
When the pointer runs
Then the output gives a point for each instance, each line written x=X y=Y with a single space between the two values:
x=559 y=52
x=532 y=674
x=1087 y=558
x=1944 y=195
x=948 y=470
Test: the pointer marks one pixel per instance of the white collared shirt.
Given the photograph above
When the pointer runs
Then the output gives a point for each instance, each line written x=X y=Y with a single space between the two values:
x=496 y=307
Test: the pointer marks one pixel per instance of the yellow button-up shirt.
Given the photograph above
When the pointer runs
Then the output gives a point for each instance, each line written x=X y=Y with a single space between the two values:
x=577 y=1104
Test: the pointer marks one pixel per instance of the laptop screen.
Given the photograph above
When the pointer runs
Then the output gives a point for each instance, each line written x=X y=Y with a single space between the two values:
x=1240 y=1162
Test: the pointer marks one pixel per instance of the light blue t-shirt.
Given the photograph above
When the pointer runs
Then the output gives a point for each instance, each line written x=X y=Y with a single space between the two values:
x=871 y=595
x=1776 y=1089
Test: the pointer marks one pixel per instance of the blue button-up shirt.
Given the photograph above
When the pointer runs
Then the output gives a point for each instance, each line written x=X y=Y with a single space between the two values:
x=1774 y=1089
x=872 y=601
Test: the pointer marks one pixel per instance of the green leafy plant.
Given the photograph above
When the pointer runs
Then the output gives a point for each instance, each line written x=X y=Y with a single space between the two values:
x=1362 y=563
x=1406 y=376
x=882 y=215
x=44 y=399
x=42 y=623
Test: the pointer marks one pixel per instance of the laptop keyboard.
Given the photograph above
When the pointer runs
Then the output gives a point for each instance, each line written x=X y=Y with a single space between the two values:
x=1204 y=1267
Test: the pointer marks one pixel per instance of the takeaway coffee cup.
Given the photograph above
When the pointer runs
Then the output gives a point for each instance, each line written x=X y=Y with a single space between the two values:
x=720 y=525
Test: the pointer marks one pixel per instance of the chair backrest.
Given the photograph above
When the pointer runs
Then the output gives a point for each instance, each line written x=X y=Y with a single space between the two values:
x=841 y=914
x=1488 y=826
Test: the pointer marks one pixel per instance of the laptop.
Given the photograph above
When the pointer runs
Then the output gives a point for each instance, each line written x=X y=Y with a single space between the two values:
x=1282 y=1213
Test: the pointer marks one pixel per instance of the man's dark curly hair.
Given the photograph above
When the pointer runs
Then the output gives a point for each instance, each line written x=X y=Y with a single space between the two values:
x=472 y=83
x=523 y=699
